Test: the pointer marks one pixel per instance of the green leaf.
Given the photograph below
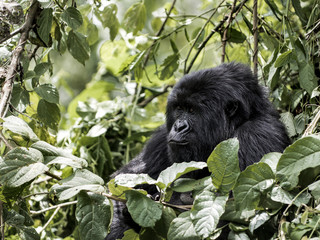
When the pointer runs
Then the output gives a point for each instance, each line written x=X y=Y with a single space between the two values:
x=235 y=36
x=169 y=66
x=93 y=214
x=315 y=189
x=99 y=129
x=113 y=55
x=117 y=190
x=54 y=155
x=78 y=46
x=135 y=18
x=48 y=92
x=287 y=119
x=20 y=98
x=81 y=180
x=258 y=220
x=182 y=228
x=49 y=114
x=283 y=59
x=108 y=18
x=20 y=166
x=142 y=209
x=175 y=171
x=45 y=22
x=272 y=160
x=302 y=154
x=72 y=17
x=162 y=226
x=307 y=77
x=132 y=180
x=28 y=233
x=206 y=212
x=284 y=197
x=297 y=8
x=252 y=182
x=130 y=235
x=41 y=68
x=20 y=127
x=224 y=165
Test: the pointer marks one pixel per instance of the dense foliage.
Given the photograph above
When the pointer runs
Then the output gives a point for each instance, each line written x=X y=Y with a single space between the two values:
x=84 y=84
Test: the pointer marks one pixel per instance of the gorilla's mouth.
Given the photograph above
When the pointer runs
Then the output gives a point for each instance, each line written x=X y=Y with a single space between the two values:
x=180 y=143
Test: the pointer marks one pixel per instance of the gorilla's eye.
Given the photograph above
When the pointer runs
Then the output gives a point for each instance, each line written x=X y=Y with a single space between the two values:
x=179 y=108
x=191 y=110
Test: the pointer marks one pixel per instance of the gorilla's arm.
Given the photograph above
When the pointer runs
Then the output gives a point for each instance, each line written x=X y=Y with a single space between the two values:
x=152 y=160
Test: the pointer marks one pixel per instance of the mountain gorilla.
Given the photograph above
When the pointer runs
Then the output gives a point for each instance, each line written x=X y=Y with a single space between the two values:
x=205 y=108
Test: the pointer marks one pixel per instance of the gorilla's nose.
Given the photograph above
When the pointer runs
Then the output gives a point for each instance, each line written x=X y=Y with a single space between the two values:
x=181 y=126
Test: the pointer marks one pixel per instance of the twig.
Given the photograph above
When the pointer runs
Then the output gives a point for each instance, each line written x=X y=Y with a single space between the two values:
x=6 y=142
x=199 y=34
x=313 y=124
x=53 y=175
x=158 y=34
x=213 y=31
x=113 y=197
x=225 y=31
x=255 y=37
x=35 y=194
x=182 y=207
x=149 y=99
x=34 y=213
x=12 y=34
x=11 y=106
x=1 y=221
x=50 y=219
x=8 y=84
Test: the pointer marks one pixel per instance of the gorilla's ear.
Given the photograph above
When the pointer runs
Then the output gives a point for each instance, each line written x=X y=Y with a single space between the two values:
x=232 y=108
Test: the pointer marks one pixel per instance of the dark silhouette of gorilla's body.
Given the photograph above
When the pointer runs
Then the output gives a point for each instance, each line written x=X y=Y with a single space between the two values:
x=205 y=108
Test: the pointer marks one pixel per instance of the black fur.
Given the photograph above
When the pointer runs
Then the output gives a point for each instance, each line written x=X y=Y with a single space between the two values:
x=205 y=108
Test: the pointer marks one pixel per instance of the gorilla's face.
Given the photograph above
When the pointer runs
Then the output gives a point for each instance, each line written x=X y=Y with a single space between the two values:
x=196 y=123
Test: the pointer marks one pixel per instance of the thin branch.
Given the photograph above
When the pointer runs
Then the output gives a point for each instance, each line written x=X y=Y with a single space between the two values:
x=50 y=219
x=35 y=194
x=255 y=37
x=313 y=124
x=225 y=31
x=148 y=100
x=1 y=221
x=158 y=34
x=8 y=84
x=34 y=213
x=6 y=142
x=182 y=207
x=11 y=106
x=53 y=175
x=199 y=35
x=213 y=31
x=12 y=34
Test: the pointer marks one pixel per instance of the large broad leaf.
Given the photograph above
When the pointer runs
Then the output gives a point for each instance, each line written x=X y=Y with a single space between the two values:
x=206 y=212
x=315 y=189
x=108 y=18
x=282 y=196
x=175 y=171
x=162 y=226
x=132 y=180
x=54 y=155
x=258 y=220
x=302 y=154
x=20 y=166
x=135 y=18
x=49 y=114
x=307 y=77
x=224 y=165
x=20 y=127
x=283 y=59
x=48 y=92
x=143 y=210
x=80 y=180
x=78 y=46
x=252 y=182
x=45 y=22
x=272 y=160
x=169 y=66
x=93 y=214
x=182 y=228
x=72 y=17
x=20 y=98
